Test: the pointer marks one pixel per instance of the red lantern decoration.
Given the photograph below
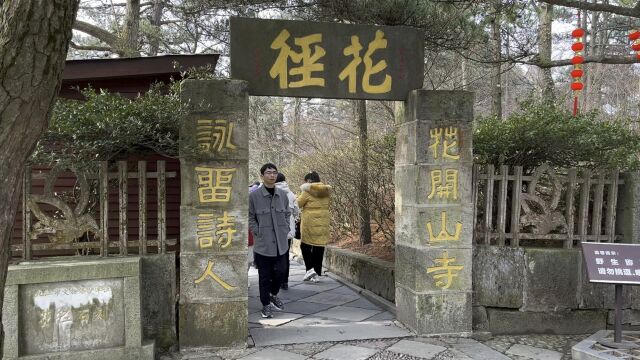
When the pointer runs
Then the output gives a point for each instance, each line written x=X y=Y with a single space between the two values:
x=577 y=60
x=634 y=36
x=577 y=73
x=577 y=86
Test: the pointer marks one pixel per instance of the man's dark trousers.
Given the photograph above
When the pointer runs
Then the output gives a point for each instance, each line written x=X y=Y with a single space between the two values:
x=270 y=274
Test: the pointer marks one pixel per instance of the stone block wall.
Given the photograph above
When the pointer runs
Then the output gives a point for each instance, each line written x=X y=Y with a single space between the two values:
x=536 y=290
x=159 y=298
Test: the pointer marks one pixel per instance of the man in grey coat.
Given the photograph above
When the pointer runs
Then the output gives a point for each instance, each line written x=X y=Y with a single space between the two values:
x=269 y=214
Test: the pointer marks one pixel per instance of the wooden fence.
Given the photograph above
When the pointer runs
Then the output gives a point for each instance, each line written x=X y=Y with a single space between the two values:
x=575 y=205
x=51 y=224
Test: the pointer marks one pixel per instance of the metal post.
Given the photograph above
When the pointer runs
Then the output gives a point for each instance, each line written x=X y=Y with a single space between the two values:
x=617 y=334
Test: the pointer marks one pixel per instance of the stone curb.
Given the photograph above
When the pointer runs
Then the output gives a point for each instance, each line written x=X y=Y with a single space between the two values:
x=376 y=299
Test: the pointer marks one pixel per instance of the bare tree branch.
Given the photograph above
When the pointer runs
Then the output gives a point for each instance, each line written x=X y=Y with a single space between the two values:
x=97 y=32
x=583 y=5
x=89 y=47
x=601 y=59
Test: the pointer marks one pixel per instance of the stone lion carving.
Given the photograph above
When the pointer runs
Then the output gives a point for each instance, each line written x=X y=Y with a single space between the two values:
x=539 y=213
x=73 y=224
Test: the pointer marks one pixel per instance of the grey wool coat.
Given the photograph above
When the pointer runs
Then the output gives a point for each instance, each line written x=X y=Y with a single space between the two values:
x=269 y=221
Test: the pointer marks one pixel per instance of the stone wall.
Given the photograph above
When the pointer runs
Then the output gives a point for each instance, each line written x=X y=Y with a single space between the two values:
x=365 y=271
x=534 y=290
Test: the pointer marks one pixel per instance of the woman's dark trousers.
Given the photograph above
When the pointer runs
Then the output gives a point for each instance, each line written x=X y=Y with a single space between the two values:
x=312 y=256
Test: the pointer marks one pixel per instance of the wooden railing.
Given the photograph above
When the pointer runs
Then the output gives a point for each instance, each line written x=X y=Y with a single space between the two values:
x=77 y=229
x=567 y=207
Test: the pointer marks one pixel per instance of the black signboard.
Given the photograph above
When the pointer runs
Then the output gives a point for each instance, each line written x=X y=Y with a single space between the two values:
x=326 y=60
x=612 y=263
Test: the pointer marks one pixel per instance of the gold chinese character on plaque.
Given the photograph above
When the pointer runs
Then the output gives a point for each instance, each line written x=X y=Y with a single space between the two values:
x=215 y=135
x=350 y=71
x=444 y=187
x=444 y=235
x=445 y=270
x=446 y=140
x=209 y=273
x=214 y=185
x=307 y=58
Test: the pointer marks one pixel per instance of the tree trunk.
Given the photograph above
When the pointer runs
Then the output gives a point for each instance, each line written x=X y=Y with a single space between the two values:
x=545 y=18
x=496 y=69
x=363 y=183
x=156 y=20
x=129 y=41
x=297 y=109
x=465 y=73
x=34 y=38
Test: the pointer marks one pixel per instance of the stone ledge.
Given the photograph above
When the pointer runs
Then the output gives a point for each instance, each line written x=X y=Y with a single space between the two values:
x=501 y=321
x=369 y=273
x=145 y=352
x=72 y=268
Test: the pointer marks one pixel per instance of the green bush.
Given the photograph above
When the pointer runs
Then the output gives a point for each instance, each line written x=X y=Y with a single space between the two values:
x=108 y=126
x=545 y=133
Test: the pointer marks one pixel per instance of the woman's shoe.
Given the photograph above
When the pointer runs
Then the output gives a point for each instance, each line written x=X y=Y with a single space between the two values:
x=309 y=275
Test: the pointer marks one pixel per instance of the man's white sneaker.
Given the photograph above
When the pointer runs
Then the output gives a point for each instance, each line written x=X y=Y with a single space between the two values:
x=309 y=275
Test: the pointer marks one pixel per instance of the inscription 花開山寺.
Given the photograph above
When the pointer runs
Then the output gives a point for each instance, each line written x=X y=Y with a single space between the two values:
x=445 y=270
x=444 y=235
x=444 y=187
x=444 y=141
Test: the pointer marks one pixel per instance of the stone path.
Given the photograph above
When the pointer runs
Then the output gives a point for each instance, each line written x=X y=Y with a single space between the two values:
x=330 y=321
x=325 y=311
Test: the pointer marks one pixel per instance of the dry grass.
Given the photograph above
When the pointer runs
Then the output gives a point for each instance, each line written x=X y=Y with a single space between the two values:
x=380 y=247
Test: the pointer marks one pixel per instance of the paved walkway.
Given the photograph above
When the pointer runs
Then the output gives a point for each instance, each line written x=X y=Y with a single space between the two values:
x=328 y=320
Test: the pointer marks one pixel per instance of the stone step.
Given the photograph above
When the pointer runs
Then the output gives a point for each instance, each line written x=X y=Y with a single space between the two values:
x=327 y=332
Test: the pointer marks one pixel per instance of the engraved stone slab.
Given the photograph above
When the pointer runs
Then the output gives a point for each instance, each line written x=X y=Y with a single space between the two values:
x=66 y=316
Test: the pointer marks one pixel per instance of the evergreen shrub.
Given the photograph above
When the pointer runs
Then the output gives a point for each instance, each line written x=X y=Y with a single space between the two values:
x=545 y=133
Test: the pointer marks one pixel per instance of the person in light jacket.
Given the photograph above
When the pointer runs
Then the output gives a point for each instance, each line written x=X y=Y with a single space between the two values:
x=269 y=216
x=281 y=183
x=314 y=226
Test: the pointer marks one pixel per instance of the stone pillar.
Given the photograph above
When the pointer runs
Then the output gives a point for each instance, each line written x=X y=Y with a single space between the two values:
x=213 y=214
x=628 y=212
x=434 y=211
